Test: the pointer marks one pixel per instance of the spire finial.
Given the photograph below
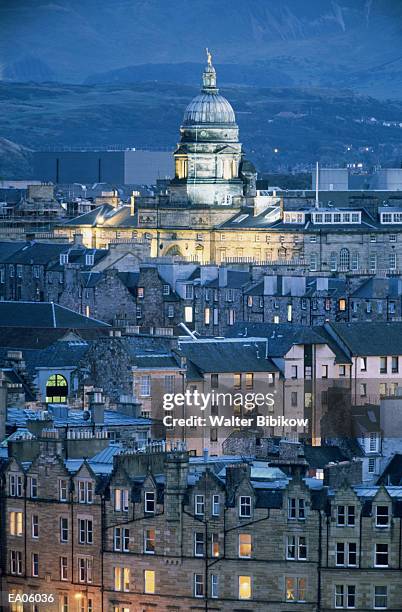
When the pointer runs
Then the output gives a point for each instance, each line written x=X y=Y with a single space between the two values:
x=209 y=57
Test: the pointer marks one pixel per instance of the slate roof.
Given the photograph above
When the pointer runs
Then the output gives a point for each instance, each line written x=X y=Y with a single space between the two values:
x=368 y=222
x=393 y=472
x=130 y=280
x=281 y=337
x=373 y=288
x=370 y=338
x=7 y=249
x=228 y=356
x=44 y=315
x=78 y=256
x=320 y=456
x=17 y=417
x=236 y=279
x=156 y=361
x=91 y=279
x=91 y=218
x=58 y=355
x=41 y=337
x=40 y=253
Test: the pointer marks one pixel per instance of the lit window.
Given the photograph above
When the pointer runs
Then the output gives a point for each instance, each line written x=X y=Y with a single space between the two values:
x=244 y=587
x=249 y=380
x=244 y=545
x=16 y=523
x=188 y=314
x=121 y=579
x=149 y=581
x=215 y=545
x=56 y=389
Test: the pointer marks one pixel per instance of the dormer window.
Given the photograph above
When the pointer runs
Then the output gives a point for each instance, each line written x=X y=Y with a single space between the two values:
x=121 y=500
x=63 y=258
x=150 y=502
x=244 y=506
x=89 y=259
x=15 y=485
x=382 y=518
x=199 y=505
x=85 y=492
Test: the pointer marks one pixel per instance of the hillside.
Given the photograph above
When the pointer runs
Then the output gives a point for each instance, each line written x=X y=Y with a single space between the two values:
x=330 y=43
x=304 y=125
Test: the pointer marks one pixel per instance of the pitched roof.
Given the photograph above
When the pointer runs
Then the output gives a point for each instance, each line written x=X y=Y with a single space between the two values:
x=19 y=417
x=93 y=217
x=229 y=356
x=9 y=248
x=38 y=253
x=370 y=338
x=60 y=354
x=376 y=288
x=235 y=280
x=281 y=337
x=44 y=315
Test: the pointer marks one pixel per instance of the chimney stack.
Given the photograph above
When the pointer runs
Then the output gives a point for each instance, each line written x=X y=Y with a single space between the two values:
x=96 y=406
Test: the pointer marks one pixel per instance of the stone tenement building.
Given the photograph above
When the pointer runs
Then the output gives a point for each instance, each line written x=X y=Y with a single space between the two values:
x=130 y=532
x=211 y=211
x=155 y=297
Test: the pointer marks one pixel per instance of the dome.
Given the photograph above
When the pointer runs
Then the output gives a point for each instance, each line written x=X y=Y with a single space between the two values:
x=209 y=108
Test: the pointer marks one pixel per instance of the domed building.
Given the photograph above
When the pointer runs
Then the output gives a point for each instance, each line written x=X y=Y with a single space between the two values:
x=213 y=183
x=208 y=159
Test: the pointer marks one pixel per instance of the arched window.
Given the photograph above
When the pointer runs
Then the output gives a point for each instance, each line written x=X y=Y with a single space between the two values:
x=344 y=259
x=333 y=262
x=174 y=250
x=56 y=389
